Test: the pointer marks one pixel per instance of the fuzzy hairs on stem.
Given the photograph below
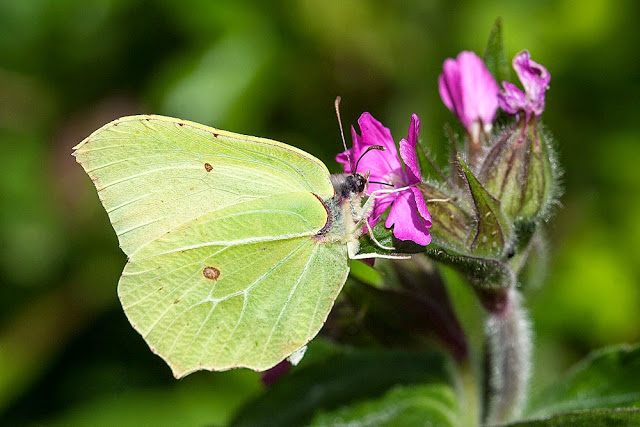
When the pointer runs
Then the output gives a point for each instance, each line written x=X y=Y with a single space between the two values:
x=509 y=340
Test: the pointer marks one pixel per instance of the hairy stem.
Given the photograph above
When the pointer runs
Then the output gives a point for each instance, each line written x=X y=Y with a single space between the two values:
x=509 y=353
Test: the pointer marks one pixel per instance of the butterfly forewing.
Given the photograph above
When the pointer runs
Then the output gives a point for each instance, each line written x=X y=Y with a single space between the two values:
x=155 y=173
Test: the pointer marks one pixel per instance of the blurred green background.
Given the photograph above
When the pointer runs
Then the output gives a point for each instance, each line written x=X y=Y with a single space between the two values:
x=273 y=69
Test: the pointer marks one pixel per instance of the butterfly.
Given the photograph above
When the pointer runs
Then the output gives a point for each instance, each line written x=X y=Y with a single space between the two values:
x=237 y=246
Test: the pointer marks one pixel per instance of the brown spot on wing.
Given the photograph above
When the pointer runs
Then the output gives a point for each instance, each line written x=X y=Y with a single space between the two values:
x=208 y=167
x=211 y=273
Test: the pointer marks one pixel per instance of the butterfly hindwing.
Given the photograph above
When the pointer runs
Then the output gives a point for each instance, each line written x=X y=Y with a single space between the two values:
x=224 y=306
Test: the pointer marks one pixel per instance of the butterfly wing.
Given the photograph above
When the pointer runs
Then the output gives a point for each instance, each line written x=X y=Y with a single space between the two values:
x=154 y=174
x=224 y=270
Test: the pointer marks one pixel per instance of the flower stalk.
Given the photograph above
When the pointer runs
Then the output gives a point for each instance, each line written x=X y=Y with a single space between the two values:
x=509 y=360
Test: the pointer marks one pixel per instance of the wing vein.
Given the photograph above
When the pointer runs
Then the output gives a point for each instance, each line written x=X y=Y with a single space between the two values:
x=286 y=304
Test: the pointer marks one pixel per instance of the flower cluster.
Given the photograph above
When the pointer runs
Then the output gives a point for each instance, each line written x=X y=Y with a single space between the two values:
x=469 y=90
x=502 y=178
x=509 y=164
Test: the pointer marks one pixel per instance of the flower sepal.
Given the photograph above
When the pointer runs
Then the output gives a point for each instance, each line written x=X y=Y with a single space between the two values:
x=493 y=233
x=490 y=278
x=520 y=171
x=451 y=221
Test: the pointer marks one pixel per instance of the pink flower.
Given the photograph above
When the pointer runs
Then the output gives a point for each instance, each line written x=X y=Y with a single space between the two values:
x=408 y=215
x=469 y=90
x=534 y=78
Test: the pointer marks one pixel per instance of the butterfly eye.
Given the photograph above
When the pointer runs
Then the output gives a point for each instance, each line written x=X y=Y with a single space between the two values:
x=361 y=183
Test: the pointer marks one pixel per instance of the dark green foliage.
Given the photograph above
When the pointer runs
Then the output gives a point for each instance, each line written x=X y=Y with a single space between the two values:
x=341 y=377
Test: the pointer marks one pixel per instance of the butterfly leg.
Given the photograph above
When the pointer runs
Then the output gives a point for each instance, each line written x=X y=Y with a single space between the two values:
x=377 y=255
x=363 y=216
x=366 y=210
x=368 y=205
x=373 y=238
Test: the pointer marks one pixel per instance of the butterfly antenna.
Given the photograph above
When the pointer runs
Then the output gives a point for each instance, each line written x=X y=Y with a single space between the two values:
x=381 y=183
x=373 y=147
x=344 y=144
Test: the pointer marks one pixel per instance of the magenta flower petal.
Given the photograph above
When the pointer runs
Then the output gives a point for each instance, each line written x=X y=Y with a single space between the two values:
x=481 y=89
x=406 y=221
x=375 y=133
x=450 y=88
x=410 y=159
x=353 y=152
x=381 y=205
x=534 y=78
x=422 y=206
x=378 y=162
x=469 y=90
x=512 y=100
x=408 y=151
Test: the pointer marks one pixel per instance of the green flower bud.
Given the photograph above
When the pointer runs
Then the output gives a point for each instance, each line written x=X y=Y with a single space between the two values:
x=519 y=170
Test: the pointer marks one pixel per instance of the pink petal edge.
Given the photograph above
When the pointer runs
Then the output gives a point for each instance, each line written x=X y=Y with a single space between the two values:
x=407 y=223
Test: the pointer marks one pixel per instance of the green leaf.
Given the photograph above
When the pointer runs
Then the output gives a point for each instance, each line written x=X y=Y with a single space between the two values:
x=365 y=273
x=605 y=379
x=494 y=55
x=328 y=383
x=490 y=278
x=493 y=231
x=592 y=418
x=199 y=400
x=433 y=404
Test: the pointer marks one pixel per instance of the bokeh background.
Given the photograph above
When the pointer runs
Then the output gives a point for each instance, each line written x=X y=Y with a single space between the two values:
x=273 y=69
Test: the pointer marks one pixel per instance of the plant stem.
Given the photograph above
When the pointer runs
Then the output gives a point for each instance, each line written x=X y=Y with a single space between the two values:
x=509 y=353
x=470 y=394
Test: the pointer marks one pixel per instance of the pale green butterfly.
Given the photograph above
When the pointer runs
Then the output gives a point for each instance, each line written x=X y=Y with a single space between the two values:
x=238 y=246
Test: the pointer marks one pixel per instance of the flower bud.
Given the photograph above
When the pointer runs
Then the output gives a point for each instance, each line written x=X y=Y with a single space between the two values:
x=519 y=171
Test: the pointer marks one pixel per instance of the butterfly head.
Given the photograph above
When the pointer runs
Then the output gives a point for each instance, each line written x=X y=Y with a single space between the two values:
x=357 y=182
x=348 y=185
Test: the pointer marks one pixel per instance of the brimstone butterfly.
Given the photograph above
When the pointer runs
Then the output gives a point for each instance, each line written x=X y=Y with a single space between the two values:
x=237 y=245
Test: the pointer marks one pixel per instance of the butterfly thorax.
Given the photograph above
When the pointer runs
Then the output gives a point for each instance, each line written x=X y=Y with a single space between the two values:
x=344 y=210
